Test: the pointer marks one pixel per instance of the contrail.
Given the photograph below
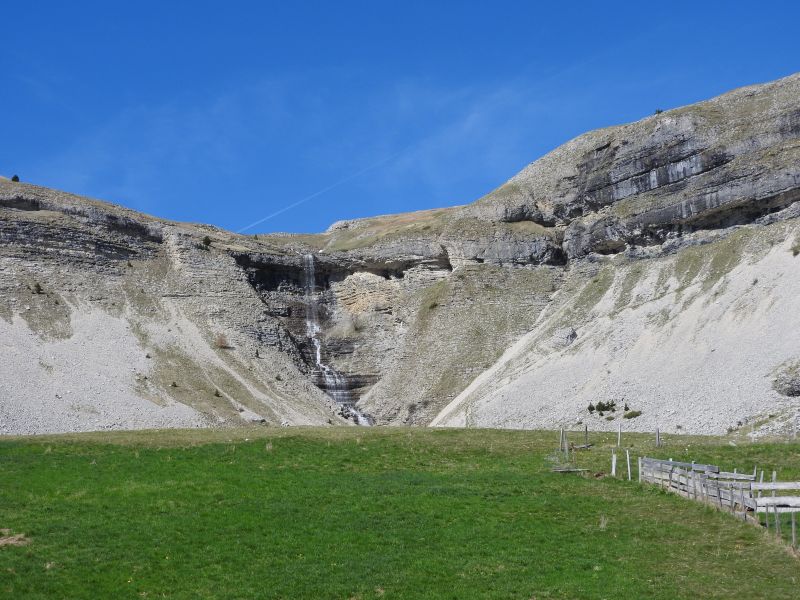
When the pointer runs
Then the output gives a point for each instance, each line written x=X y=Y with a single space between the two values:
x=323 y=190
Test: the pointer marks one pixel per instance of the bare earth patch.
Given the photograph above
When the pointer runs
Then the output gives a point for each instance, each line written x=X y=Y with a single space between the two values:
x=12 y=539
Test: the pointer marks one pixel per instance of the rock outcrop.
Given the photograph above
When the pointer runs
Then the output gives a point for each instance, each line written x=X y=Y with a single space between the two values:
x=787 y=380
x=653 y=263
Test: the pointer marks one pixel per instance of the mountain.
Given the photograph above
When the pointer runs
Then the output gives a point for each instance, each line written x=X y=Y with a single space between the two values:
x=653 y=265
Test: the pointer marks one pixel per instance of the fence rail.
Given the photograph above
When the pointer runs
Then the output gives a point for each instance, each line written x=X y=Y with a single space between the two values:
x=737 y=493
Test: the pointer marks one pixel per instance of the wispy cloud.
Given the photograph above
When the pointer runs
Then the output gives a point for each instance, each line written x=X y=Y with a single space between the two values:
x=263 y=148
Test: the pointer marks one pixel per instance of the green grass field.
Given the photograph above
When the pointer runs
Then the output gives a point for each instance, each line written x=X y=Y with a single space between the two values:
x=370 y=513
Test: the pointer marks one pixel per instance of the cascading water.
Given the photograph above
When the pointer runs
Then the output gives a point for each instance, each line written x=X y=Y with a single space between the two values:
x=334 y=384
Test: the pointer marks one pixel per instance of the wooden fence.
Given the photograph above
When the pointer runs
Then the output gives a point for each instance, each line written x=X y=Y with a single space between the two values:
x=738 y=493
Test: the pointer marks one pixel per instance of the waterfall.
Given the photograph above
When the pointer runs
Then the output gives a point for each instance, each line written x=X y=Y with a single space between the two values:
x=334 y=384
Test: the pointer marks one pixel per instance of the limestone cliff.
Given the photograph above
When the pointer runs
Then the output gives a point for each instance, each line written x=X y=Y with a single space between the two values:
x=651 y=264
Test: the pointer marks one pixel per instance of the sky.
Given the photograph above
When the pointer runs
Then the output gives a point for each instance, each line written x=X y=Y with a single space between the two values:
x=288 y=116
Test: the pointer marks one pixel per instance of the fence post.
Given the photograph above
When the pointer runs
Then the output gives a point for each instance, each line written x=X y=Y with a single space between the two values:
x=744 y=507
x=613 y=463
x=586 y=435
x=640 y=469
x=777 y=514
x=794 y=532
x=731 y=499
x=619 y=434
x=628 y=459
x=658 y=438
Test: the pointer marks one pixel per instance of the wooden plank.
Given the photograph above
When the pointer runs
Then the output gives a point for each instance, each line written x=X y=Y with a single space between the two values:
x=793 y=501
x=568 y=470
x=673 y=463
x=733 y=485
x=684 y=479
x=734 y=476
x=776 y=485
x=781 y=509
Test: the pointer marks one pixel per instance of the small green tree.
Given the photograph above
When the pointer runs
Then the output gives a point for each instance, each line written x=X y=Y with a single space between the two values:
x=206 y=241
x=15 y=178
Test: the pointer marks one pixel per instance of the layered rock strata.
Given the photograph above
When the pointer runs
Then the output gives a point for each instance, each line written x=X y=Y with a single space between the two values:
x=631 y=264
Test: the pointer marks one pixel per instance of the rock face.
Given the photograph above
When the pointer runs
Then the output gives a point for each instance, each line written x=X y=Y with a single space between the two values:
x=787 y=380
x=654 y=264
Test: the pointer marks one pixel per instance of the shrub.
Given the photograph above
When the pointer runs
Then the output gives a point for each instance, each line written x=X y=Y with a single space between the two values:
x=37 y=288
x=221 y=341
x=15 y=178
x=632 y=414
x=217 y=394
x=206 y=241
x=610 y=406
x=659 y=111
x=591 y=408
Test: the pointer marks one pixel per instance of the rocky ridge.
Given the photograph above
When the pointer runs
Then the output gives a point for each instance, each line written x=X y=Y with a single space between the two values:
x=563 y=287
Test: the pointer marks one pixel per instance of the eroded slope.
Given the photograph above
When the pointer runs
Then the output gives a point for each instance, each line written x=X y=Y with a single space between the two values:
x=651 y=264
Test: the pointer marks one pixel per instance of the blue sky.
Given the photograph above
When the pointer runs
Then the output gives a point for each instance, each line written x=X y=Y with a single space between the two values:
x=230 y=112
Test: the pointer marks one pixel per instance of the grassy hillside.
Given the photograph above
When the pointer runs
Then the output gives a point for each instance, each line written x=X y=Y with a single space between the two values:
x=345 y=513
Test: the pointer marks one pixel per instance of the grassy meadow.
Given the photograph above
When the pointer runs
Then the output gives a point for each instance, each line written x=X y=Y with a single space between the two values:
x=371 y=513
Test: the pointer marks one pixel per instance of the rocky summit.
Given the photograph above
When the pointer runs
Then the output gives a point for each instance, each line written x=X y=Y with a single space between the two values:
x=646 y=274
